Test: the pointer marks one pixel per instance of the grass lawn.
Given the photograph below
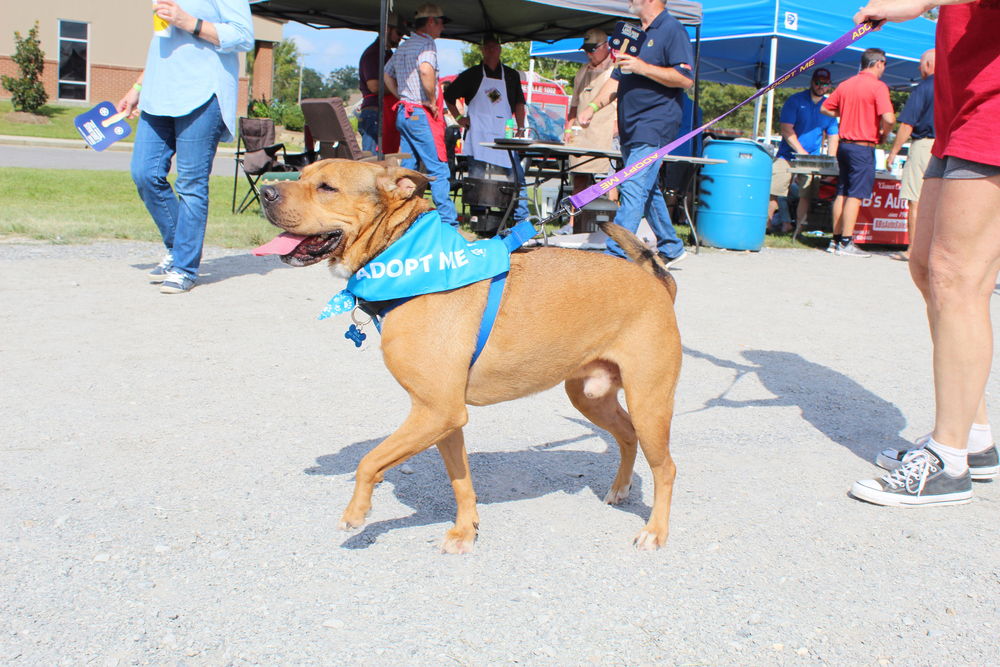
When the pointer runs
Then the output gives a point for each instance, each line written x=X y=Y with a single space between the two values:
x=78 y=206
x=60 y=125
x=75 y=206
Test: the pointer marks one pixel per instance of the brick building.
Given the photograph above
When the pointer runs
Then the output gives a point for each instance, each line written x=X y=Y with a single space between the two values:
x=94 y=49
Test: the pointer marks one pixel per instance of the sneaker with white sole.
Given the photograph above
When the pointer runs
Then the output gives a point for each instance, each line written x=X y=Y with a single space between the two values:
x=919 y=480
x=982 y=465
x=832 y=248
x=160 y=271
x=851 y=250
x=176 y=283
x=670 y=261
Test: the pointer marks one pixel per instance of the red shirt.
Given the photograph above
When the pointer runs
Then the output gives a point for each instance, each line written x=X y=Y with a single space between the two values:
x=967 y=82
x=860 y=101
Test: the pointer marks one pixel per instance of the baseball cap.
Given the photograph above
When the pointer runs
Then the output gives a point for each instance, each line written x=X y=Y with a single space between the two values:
x=594 y=36
x=821 y=75
x=429 y=10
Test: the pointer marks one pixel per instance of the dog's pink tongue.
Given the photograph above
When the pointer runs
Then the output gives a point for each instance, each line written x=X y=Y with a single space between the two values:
x=282 y=244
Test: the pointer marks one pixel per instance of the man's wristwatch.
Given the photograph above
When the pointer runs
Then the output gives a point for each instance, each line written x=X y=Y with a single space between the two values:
x=197 y=28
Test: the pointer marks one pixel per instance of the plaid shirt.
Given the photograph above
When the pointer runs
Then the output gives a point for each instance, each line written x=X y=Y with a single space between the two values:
x=404 y=66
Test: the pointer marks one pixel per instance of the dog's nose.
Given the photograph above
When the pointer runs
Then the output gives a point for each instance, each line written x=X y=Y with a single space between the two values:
x=270 y=193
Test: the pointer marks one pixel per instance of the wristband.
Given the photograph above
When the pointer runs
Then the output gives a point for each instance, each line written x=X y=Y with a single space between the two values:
x=460 y=116
x=197 y=28
x=593 y=105
x=137 y=87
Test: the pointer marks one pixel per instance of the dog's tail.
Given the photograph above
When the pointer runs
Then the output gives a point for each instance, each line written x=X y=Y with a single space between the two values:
x=637 y=251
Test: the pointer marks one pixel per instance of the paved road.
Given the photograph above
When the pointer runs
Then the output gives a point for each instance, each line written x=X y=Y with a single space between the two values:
x=172 y=470
x=46 y=157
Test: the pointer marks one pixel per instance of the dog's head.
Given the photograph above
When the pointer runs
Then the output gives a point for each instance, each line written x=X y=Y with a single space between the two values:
x=346 y=211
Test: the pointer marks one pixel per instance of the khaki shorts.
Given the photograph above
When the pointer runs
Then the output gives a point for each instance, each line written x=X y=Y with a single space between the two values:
x=913 y=171
x=781 y=180
x=781 y=177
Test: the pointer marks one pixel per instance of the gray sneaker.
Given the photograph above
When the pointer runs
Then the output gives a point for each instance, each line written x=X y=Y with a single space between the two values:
x=982 y=465
x=832 y=248
x=176 y=283
x=160 y=271
x=851 y=250
x=919 y=480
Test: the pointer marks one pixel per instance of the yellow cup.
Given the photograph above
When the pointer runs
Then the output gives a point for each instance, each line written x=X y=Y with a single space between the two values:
x=160 y=26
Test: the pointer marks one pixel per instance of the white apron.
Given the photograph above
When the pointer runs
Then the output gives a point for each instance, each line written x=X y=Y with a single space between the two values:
x=488 y=112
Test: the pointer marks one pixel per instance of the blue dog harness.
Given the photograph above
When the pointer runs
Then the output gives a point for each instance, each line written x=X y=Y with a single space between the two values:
x=429 y=257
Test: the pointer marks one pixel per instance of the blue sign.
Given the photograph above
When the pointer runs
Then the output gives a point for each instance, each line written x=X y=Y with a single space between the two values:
x=102 y=126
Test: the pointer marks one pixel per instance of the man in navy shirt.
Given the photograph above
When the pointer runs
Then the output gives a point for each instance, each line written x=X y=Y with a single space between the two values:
x=916 y=123
x=803 y=129
x=648 y=88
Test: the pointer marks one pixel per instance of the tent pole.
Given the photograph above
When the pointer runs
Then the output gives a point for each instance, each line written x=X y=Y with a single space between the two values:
x=531 y=92
x=771 y=74
x=383 y=31
x=697 y=70
x=756 y=118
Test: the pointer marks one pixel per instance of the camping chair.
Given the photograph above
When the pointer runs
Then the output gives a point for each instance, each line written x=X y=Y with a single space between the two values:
x=327 y=122
x=257 y=154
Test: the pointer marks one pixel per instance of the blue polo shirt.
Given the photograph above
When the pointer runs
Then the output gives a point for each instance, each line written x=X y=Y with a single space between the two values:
x=919 y=110
x=648 y=112
x=801 y=112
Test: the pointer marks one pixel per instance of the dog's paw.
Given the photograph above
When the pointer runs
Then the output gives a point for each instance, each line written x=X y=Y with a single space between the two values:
x=647 y=541
x=457 y=541
x=351 y=523
x=617 y=496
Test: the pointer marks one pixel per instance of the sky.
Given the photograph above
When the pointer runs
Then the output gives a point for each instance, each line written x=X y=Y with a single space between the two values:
x=326 y=50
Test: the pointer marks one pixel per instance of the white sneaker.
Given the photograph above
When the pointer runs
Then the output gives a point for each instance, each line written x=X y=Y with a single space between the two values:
x=670 y=261
x=851 y=250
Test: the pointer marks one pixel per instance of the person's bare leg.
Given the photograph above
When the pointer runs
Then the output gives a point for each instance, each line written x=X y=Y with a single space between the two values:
x=962 y=264
x=911 y=225
x=838 y=214
x=772 y=208
x=849 y=216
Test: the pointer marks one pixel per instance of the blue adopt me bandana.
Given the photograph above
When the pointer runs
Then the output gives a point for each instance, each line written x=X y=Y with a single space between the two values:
x=430 y=256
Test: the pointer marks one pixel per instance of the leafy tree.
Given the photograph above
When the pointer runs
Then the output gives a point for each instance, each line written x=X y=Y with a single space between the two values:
x=313 y=84
x=27 y=92
x=286 y=71
x=342 y=82
x=516 y=55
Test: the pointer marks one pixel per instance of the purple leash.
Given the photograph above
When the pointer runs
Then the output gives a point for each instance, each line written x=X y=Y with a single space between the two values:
x=572 y=204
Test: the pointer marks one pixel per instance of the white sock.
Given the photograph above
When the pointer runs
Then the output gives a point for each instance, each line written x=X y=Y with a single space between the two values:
x=955 y=460
x=980 y=438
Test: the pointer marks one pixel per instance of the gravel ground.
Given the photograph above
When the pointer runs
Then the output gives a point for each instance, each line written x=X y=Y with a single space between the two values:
x=173 y=469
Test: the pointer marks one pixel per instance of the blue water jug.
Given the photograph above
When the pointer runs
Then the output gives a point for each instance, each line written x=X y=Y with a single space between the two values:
x=732 y=207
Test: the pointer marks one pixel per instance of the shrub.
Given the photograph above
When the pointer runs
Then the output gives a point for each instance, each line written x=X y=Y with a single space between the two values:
x=27 y=93
x=289 y=115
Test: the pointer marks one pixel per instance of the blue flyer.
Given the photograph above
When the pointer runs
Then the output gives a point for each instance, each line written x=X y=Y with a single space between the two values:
x=102 y=126
x=627 y=38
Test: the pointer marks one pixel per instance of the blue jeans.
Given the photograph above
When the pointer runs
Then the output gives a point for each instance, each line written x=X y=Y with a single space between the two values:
x=368 y=127
x=477 y=169
x=182 y=216
x=641 y=196
x=416 y=139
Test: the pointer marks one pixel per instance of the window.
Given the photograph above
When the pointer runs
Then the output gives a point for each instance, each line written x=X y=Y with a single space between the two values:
x=73 y=70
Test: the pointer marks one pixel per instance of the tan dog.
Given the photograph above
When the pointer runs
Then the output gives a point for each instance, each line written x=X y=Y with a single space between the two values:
x=593 y=321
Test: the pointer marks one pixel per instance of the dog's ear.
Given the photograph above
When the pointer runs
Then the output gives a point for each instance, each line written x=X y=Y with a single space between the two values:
x=401 y=183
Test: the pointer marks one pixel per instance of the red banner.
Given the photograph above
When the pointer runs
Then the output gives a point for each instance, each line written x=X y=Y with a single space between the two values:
x=882 y=218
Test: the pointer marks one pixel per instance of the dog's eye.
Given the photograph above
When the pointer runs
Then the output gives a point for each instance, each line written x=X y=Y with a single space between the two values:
x=326 y=187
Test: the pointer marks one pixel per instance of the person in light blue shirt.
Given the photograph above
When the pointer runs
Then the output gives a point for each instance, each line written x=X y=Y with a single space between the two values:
x=186 y=101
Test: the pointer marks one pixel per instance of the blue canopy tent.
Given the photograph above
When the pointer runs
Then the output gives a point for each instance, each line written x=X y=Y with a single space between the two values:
x=751 y=42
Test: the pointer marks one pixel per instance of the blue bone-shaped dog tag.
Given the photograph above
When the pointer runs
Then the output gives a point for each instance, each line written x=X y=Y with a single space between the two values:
x=102 y=126
x=355 y=334
x=342 y=302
